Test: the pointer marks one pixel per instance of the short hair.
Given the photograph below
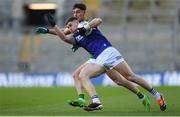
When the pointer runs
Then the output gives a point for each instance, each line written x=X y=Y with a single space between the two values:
x=80 y=6
x=70 y=20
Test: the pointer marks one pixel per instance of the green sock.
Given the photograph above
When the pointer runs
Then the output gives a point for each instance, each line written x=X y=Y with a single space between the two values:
x=140 y=95
x=81 y=96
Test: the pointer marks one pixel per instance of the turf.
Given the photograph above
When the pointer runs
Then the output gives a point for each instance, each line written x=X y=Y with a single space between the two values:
x=53 y=102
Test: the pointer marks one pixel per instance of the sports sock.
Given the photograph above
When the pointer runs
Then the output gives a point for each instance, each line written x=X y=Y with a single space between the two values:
x=95 y=99
x=81 y=96
x=155 y=94
x=140 y=95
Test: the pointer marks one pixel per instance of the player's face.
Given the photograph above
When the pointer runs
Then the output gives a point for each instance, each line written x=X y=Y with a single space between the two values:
x=72 y=26
x=79 y=14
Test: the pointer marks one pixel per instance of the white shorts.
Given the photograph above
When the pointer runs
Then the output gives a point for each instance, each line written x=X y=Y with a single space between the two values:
x=109 y=58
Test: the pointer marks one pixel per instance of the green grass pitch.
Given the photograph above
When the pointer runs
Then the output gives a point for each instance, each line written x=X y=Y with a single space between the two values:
x=53 y=102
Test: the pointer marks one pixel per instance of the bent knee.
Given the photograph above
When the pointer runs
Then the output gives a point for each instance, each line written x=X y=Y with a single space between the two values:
x=130 y=77
x=83 y=77
x=75 y=76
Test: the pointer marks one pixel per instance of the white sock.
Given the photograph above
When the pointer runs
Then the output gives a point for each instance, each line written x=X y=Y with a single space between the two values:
x=155 y=94
x=95 y=99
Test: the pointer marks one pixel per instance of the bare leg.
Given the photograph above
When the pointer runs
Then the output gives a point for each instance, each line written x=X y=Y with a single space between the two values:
x=77 y=82
x=80 y=102
x=124 y=69
x=120 y=80
x=88 y=71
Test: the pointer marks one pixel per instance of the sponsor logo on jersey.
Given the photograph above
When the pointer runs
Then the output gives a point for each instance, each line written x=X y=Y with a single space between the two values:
x=79 y=38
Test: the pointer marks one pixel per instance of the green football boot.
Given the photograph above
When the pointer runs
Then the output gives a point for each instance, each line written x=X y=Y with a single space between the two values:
x=145 y=101
x=77 y=103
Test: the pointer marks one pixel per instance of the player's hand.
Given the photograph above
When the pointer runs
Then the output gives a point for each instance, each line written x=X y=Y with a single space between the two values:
x=51 y=19
x=41 y=30
x=81 y=31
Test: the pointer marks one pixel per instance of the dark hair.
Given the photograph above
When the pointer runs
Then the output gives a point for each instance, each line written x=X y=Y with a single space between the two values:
x=80 y=6
x=70 y=20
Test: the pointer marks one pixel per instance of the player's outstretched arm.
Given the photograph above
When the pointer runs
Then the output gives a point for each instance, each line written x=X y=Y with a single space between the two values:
x=43 y=30
x=65 y=31
x=68 y=39
x=52 y=31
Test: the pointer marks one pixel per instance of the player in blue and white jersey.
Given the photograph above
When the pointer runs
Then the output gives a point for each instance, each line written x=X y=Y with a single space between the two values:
x=79 y=12
x=105 y=56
